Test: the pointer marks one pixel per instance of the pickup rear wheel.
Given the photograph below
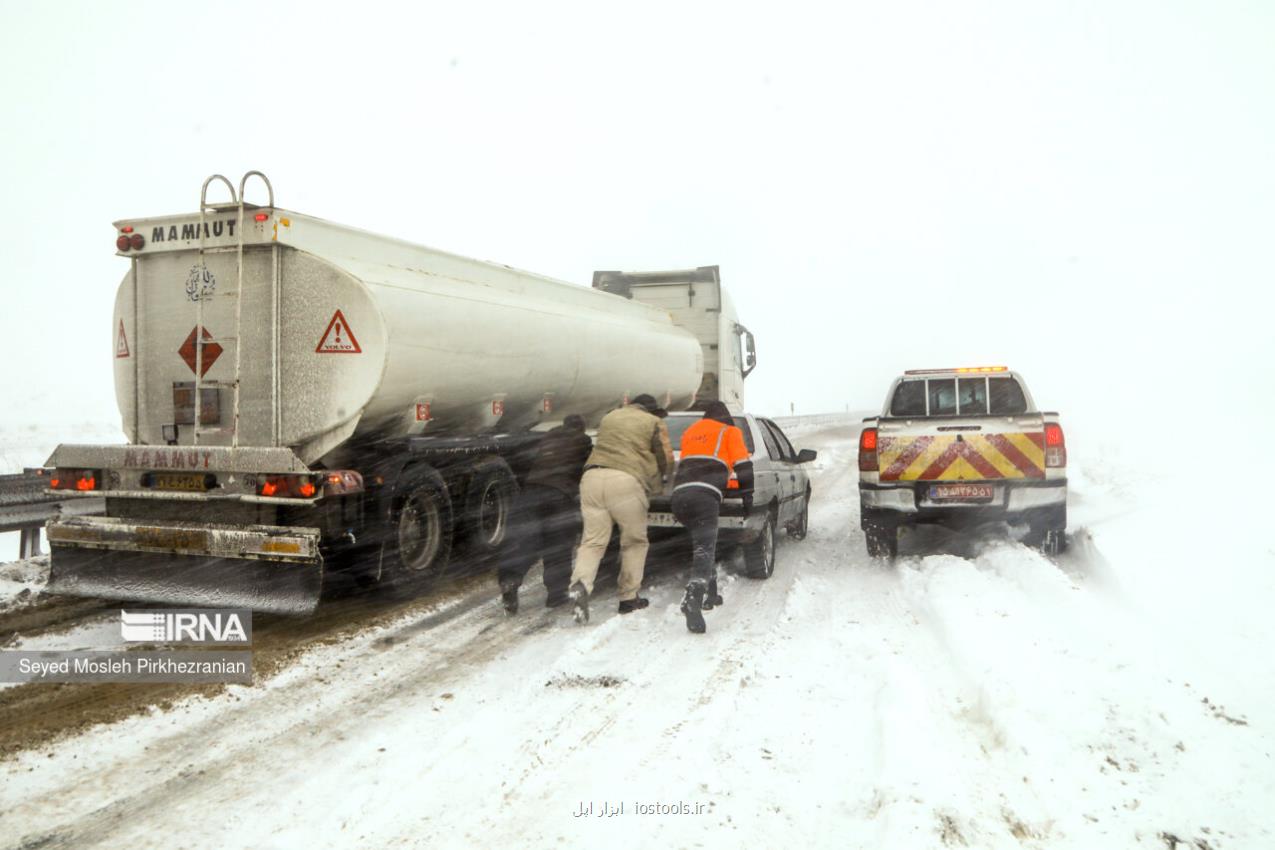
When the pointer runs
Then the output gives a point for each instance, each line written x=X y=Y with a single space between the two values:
x=759 y=556
x=883 y=540
x=1048 y=531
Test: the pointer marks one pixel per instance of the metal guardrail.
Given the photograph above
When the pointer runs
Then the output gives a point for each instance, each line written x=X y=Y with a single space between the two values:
x=26 y=505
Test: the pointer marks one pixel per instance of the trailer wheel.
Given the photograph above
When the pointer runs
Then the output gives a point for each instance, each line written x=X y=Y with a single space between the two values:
x=420 y=538
x=489 y=506
x=759 y=556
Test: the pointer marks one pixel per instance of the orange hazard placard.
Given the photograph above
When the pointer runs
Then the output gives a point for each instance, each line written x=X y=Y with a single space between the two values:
x=338 y=338
x=121 y=343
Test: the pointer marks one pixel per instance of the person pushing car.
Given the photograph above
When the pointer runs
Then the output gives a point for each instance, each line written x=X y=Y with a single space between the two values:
x=629 y=462
x=713 y=450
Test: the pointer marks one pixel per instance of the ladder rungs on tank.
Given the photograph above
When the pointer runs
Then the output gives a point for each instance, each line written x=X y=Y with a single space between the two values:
x=236 y=203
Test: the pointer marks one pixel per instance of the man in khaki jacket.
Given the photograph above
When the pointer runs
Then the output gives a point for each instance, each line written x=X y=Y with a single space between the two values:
x=630 y=458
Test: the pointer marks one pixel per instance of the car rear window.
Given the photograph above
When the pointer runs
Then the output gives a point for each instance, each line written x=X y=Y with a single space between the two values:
x=981 y=396
x=678 y=423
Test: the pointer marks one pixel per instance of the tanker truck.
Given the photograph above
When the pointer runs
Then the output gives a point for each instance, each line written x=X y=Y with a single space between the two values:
x=302 y=398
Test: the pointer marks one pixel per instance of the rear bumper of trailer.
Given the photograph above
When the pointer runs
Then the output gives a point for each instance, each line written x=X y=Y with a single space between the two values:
x=266 y=568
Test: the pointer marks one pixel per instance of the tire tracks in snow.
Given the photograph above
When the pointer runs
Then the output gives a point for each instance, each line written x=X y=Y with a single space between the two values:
x=149 y=796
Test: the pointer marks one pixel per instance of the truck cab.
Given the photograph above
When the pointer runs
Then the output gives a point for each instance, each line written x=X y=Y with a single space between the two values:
x=696 y=302
x=781 y=492
x=960 y=447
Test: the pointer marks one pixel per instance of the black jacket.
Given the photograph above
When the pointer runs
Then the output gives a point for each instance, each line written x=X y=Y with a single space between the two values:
x=560 y=460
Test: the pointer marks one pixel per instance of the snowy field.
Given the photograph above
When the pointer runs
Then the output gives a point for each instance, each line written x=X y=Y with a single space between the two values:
x=973 y=694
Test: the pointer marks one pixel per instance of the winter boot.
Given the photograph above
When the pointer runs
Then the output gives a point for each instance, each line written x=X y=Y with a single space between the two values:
x=637 y=603
x=712 y=598
x=580 y=597
x=692 y=605
x=509 y=597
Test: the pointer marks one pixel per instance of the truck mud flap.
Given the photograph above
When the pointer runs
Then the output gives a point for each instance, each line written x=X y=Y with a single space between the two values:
x=108 y=558
x=272 y=586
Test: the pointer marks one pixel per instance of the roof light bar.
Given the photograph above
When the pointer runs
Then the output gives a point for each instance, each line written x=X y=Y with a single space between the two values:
x=960 y=370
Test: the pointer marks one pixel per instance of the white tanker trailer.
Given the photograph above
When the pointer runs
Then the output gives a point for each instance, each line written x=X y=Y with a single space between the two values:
x=301 y=397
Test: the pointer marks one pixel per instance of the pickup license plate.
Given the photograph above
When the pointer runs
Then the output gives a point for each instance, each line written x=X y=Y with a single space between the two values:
x=967 y=493
x=197 y=482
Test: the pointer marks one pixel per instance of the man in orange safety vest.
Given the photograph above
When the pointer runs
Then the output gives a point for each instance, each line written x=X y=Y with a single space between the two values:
x=713 y=450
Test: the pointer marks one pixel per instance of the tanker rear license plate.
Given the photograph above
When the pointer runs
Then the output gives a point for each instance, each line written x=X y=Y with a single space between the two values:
x=179 y=481
x=972 y=493
x=178 y=539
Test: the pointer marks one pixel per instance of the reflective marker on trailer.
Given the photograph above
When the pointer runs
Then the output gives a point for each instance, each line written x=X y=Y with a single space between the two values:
x=280 y=547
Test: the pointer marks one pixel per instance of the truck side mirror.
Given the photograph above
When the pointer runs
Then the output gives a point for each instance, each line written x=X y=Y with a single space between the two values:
x=806 y=455
x=750 y=349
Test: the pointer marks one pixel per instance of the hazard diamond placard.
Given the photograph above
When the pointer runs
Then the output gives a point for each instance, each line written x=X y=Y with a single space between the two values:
x=338 y=338
x=189 y=352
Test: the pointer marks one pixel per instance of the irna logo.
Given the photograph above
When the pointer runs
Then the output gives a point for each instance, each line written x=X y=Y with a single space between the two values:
x=187 y=626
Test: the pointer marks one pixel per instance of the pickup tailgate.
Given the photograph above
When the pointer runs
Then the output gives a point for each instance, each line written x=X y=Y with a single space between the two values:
x=982 y=449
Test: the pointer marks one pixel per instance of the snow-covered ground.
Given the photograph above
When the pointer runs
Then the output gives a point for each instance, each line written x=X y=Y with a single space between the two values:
x=972 y=694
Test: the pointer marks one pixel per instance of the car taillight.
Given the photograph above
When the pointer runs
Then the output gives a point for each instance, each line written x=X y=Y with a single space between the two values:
x=868 y=450
x=1055 y=445
x=82 y=480
x=287 y=486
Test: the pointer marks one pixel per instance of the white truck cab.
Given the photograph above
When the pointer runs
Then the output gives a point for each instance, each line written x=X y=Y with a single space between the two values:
x=960 y=447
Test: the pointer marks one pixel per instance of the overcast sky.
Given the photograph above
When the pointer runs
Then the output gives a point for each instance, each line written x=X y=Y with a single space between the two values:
x=1082 y=191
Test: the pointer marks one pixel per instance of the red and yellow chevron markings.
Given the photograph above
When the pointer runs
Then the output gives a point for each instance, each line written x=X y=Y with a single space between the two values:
x=972 y=457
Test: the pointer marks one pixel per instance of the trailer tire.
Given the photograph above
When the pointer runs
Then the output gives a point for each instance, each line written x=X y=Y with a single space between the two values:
x=489 y=506
x=759 y=556
x=420 y=535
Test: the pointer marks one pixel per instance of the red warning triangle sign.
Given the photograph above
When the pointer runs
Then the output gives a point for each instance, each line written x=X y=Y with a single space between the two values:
x=338 y=338
x=121 y=343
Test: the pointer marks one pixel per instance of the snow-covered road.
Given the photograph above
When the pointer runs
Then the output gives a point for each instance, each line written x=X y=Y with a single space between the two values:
x=972 y=694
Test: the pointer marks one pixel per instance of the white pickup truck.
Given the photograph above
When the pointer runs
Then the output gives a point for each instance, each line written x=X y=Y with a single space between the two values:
x=961 y=447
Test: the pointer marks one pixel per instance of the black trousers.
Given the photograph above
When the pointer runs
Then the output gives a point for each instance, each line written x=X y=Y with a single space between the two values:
x=545 y=524
x=697 y=509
